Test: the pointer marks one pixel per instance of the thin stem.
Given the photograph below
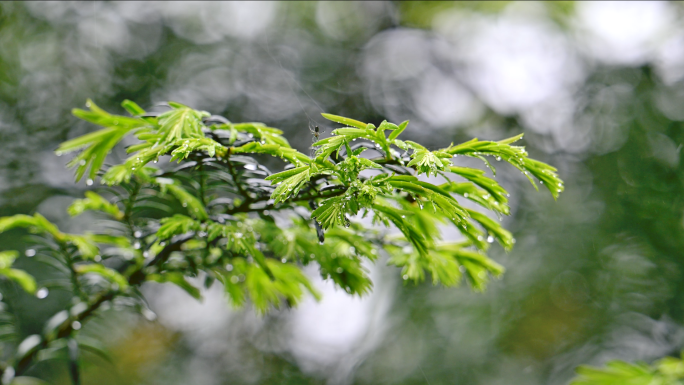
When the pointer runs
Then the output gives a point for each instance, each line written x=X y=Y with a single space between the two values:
x=245 y=207
x=65 y=329
x=236 y=180
x=73 y=276
x=202 y=182
x=128 y=211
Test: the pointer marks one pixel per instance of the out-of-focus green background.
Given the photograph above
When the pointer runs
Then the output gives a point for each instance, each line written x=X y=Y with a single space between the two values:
x=597 y=88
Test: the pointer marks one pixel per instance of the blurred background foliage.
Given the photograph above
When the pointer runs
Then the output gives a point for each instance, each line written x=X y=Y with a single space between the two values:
x=597 y=88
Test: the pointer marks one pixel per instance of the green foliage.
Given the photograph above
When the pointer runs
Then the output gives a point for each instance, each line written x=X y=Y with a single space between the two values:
x=21 y=277
x=98 y=144
x=667 y=371
x=110 y=275
x=95 y=202
x=221 y=216
x=179 y=280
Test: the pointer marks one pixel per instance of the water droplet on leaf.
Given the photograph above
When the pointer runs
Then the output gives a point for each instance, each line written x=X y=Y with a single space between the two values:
x=42 y=293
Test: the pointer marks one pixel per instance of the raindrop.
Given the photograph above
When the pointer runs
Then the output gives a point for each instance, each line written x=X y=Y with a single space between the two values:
x=30 y=253
x=97 y=258
x=89 y=182
x=320 y=243
x=312 y=256
x=42 y=293
x=498 y=158
x=185 y=204
x=137 y=234
x=234 y=279
x=490 y=239
x=76 y=325
x=339 y=270
x=149 y=314
x=403 y=216
x=352 y=249
x=283 y=260
x=465 y=195
x=82 y=162
x=479 y=237
x=136 y=245
x=405 y=277
x=229 y=267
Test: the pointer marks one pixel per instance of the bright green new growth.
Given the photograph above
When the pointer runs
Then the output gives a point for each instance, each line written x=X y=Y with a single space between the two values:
x=667 y=371
x=220 y=215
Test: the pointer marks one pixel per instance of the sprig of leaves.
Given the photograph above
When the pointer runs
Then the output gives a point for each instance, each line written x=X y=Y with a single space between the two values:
x=667 y=371
x=220 y=215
